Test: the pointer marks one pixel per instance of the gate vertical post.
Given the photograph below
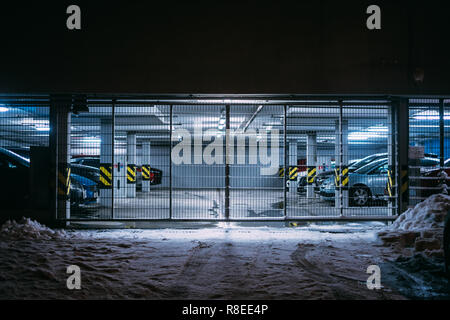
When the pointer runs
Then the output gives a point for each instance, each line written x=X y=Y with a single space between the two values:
x=285 y=159
x=131 y=165
x=170 y=161
x=392 y=163
x=441 y=133
x=146 y=162
x=113 y=139
x=59 y=142
x=402 y=155
x=227 y=166
x=106 y=163
x=311 y=164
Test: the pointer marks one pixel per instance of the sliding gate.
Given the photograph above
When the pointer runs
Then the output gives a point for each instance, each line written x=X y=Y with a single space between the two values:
x=239 y=161
x=226 y=160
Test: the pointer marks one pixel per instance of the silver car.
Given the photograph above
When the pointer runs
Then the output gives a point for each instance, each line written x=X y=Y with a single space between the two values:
x=365 y=184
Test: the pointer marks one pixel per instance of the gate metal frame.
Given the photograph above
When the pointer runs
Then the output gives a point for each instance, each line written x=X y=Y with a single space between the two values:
x=227 y=100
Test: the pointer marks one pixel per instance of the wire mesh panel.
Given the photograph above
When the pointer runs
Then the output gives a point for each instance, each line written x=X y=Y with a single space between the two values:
x=255 y=153
x=426 y=172
x=24 y=128
x=91 y=153
x=198 y=162
x=368 y=155
x=141 y=162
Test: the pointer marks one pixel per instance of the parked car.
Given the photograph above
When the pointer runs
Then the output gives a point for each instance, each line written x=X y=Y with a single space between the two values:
x=90 y=187
x=94 y=161
x=301 y=186
x=14 y=182
x=15 y=174
x=90 y=173
x=77 y=192
x=368 y=182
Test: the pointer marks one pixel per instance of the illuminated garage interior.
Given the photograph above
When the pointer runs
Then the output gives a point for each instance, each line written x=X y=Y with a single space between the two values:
x=134 y=158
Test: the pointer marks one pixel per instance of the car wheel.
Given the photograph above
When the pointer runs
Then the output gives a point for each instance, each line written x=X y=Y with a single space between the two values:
x=360 y=196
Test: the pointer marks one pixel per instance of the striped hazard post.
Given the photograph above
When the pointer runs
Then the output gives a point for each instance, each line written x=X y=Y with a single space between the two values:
x=293 y=173
x=146 y=172
x=390 y=182
x=311 y=174
x=105 y=176
x=344 y=178
x=63 y=181
x=281 y=172
x=404 y=183
x=131 y=174
x=337 y=177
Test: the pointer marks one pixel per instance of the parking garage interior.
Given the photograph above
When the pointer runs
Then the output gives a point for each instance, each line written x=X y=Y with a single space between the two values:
x=226 y=159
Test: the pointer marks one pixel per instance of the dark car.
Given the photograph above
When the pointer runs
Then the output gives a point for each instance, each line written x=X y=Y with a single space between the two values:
x=15 y=174
x=14 y=182
x=77 y=192
x=94 y=161
x=91 y=173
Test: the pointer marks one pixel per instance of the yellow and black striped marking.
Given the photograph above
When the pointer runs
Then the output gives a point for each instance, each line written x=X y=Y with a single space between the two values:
x=337 y=177
x=404 y=183
x=105 y=176
x=344 y=178
x=146 y=172
x=311 y=174
x=131 y=173
x=281 y=172
x=390 y=182
x=63 y=181
x=293 y=173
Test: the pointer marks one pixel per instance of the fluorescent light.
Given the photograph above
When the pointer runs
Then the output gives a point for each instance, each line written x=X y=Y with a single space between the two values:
x=378 y=129
x=3 y=109
x=42 y=128
x=430 y=115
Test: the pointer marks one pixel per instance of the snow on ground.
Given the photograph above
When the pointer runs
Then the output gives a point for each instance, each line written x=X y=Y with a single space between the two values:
x=420 y=229
x=226 y=262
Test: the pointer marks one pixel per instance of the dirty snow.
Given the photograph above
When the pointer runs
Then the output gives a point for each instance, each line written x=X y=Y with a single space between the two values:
x=419 y=229
x=428 y=214
x=28 y=229
x=226 y=262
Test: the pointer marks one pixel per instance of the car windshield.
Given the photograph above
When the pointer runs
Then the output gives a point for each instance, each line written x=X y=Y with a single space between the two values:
x=365 y=161
x=15 y=157
x=368 y=168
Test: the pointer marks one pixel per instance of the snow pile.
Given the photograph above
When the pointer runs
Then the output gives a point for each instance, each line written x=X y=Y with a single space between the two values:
x=420 y=228
x=29 y=229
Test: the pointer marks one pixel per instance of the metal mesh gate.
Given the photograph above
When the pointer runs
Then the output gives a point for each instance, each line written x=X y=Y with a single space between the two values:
x=228 y=160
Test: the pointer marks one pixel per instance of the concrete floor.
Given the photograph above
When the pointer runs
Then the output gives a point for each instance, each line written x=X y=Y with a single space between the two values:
x=210 y=204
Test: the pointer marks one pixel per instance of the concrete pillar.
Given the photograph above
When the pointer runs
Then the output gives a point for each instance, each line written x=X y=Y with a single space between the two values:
x=60 y=149
x=311 y=161
x=293 y=160
x=337 y=163
x=146 y=161
x=341 y=162
x=344 y=161
x=402 y=149
x=131 y=159
x=106 y=157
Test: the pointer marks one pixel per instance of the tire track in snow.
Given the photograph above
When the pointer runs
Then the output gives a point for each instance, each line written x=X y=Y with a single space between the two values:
x=192 y=268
